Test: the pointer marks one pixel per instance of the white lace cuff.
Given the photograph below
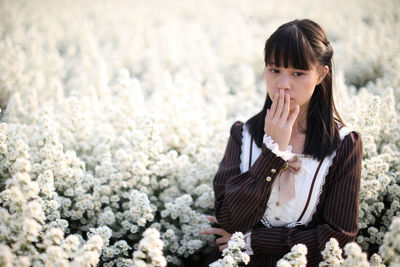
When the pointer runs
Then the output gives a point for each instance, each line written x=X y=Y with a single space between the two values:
x=285 y=155
x=247 y=246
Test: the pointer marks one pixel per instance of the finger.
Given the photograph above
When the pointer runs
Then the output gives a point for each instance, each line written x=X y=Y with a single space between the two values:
x=286 y=107
x=281 y=101
x=293 y=117
x=267 y=115
x=212 y=219
x=221 y=248
x=222 y=240
x=210 y=231
x=273 y=106
x=266 y=122
x=214 y=231
x=207 y=231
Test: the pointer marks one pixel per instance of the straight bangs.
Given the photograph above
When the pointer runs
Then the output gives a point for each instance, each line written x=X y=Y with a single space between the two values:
x=289 y=47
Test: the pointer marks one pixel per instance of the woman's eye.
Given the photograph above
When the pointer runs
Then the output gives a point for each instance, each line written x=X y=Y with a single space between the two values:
x=274 y=70
x=298 y=73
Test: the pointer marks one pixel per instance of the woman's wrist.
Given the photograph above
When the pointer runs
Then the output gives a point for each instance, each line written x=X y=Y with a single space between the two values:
x=247 y=242
x=285 y=153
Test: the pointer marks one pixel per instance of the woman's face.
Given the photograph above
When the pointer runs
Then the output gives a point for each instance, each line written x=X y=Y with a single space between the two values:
x=299 y=84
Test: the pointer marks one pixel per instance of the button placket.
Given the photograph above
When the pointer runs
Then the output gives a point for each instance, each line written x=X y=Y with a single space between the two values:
x=269 y=178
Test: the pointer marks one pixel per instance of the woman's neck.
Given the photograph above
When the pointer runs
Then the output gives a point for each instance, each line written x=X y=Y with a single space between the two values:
x=300 y=124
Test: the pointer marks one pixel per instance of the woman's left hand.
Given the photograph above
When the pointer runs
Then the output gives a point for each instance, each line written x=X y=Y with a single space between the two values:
x=221 y=242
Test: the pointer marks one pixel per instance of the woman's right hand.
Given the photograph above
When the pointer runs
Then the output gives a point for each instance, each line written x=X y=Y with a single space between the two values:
x=278 y=123
x=221 y=242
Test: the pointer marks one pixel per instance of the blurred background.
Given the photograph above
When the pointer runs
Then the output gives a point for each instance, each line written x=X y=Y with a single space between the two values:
x=56 y=47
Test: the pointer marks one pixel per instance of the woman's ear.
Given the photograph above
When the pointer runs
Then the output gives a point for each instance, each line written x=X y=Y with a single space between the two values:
x=322 y=73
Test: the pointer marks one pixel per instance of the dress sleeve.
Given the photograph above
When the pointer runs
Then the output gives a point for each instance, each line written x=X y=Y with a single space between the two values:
x=339 y=218
x=241 y=198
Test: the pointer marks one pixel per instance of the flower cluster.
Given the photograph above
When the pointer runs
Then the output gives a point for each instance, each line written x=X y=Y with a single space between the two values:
x=186 y=239
x=33 y=242
x=295 y=258
x=149 y=251
x=233 y=255
x=355 y=257
x=390 y=249
x=332 y=254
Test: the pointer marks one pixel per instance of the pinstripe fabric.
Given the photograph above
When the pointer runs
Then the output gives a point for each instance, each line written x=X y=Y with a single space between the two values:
x=241 y=200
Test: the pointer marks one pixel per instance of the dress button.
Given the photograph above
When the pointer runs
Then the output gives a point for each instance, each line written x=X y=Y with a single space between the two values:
x=277 y=218
x=273 y=170
x=277 y=203
x=268 y=178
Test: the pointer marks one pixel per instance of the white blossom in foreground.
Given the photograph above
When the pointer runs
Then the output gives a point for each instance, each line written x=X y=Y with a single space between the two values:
x=295 y=258
x=28 y=240
x=354 y=256
x=6 y=256
x=376 y=261
x=390 y=249
x=233 y=254
x=150 y=250
x=332 y=254
x=89 y=254
x=332 y=257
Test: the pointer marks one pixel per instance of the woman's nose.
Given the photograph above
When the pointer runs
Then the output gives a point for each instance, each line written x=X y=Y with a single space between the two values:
x=283 y=83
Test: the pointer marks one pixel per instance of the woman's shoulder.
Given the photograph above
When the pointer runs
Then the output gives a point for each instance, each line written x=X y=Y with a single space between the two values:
x=351 y=142
x=236 y=127
x=346 y=131
x=236 y=131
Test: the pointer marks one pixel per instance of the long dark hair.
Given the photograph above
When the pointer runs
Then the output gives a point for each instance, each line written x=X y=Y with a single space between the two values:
x=301 y=44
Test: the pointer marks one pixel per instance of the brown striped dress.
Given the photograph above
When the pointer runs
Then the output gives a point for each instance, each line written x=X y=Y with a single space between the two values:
x=241 y=200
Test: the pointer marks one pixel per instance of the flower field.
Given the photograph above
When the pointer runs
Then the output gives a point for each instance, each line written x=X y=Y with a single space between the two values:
x=115 y=116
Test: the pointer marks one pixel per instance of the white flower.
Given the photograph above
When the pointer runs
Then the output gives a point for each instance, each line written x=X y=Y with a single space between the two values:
x=23 y=261
x=70 y=243
x=391 y=244
x=233 y=254
x=36 y=210
x=56 y=257
x=332 y=254
x=355 y=256
x=6 y=256
x=296 y=257
x=31 y=228
x=22 y=165
x=376 y=261
x=283 y=263
x=150 y=249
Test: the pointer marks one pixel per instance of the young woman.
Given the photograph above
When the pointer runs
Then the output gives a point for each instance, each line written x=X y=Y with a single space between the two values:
x=291 y=173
